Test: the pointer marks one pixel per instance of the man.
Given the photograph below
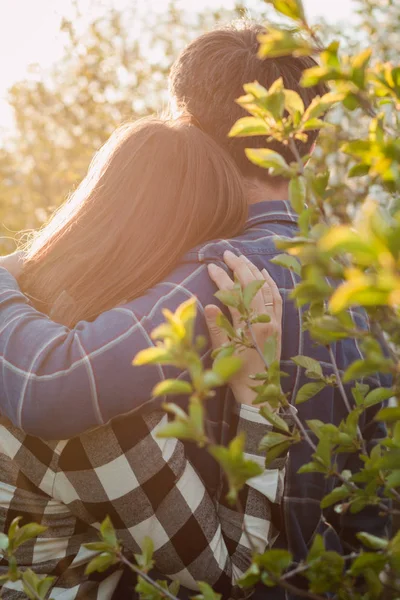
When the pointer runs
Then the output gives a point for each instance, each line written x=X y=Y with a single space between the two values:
x=95 y=358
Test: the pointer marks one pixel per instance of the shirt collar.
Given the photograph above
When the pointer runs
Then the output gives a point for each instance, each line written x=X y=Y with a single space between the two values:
x=271 y=211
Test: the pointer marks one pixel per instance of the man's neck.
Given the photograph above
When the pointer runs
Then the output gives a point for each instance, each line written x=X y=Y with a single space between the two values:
x=264 y=191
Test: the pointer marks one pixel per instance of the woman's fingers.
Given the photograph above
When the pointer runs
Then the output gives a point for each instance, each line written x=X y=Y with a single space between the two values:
x=217 y=335
x=220 y=277
x=274 y=294
x=267 y=291
x=266 y=301
x=276 y=319
x=246 y=272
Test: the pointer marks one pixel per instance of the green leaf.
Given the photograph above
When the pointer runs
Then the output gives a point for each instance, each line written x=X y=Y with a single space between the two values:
x=174 y=587
x=145 y=559
x=320 y=105
x=250 y=291
x=172 y=386
x=176 y=429
x=228 y=298
x=389 y=415
x=227 y=367
x=107 y=532
x=359 y=369
x=297 y=193
x=226 y=325
x=377 y=396
x=275 y=561
x=44 y=586
x=310 y=364
x=290 y=8
x=207 y=593
x=100 y=563
x=269 y=350
x=390 y=460
x=309 y=390
x=97 y=546
x=277 y=451
x=261 y=319
x=358 y=170
x=274 y=419
x=212 y=380
x=337 y=495
x=268 y=159
x=256 y=90
x=359 y=392
x=248 y=127
x=186 y=426
x=3 y=542
x=315 y=124
x=319 y=74
x=34 y=585
x=293 y=102
x=146 y=591
x=236 y=467
x=14 y=528
x=287 y=261
x=312 y=467
x=250 y=577
x=272 y=439
x=372 y=541
x=26 y=533
x=317 y=548
x=150 y=356
x=281 y=42
x=270 y=393
x=367 y=560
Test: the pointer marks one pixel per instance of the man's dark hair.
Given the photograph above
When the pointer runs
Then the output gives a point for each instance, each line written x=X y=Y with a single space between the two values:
x=209 y=75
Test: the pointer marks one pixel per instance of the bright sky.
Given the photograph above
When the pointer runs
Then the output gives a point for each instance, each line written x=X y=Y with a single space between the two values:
x=29 y=31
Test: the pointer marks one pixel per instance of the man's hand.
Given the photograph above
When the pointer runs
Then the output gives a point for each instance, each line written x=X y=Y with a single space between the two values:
x=14 y=263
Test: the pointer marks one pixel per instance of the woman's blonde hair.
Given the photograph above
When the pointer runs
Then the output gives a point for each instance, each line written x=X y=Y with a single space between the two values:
x=155 y=190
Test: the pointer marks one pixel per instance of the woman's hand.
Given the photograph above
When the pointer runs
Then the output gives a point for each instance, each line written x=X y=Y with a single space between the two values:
x=266 y=301
x=14 y=263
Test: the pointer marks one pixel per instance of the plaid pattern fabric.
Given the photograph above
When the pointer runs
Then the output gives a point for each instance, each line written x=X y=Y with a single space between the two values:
x=87 y=371
x=149 y=488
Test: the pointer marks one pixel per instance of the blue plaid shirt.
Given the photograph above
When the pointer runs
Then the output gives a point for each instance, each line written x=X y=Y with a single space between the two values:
x=57 y=382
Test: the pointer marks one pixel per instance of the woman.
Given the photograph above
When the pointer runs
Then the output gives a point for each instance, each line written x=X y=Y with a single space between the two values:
x=154 y=191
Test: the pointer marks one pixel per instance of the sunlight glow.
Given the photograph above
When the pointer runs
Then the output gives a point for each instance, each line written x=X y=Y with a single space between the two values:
x=29 y=31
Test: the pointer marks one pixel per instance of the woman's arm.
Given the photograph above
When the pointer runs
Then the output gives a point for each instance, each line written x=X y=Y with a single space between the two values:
x=57 y=382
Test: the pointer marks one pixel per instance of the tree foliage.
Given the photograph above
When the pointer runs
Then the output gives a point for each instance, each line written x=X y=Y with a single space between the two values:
x=114 y=69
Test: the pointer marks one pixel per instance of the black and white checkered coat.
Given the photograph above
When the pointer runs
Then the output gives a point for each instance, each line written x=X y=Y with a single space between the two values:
x=149 y=488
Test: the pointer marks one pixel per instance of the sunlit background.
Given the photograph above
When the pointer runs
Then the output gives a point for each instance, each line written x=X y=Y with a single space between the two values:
x=71 y=71
x=29 y=30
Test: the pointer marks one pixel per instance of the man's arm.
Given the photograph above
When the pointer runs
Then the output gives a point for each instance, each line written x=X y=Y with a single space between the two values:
x=50 y=375
x=149 y=488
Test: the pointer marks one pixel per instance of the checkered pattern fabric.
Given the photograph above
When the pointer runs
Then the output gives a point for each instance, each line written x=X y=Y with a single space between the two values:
x=149 y=488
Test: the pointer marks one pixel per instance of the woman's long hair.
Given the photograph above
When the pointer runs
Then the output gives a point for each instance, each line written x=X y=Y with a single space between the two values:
x=155 y=190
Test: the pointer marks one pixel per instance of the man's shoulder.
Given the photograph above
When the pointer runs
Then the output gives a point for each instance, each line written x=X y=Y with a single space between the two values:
x=266 y=222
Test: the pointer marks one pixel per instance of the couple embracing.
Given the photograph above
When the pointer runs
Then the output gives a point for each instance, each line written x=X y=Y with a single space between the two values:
x=169 y=209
